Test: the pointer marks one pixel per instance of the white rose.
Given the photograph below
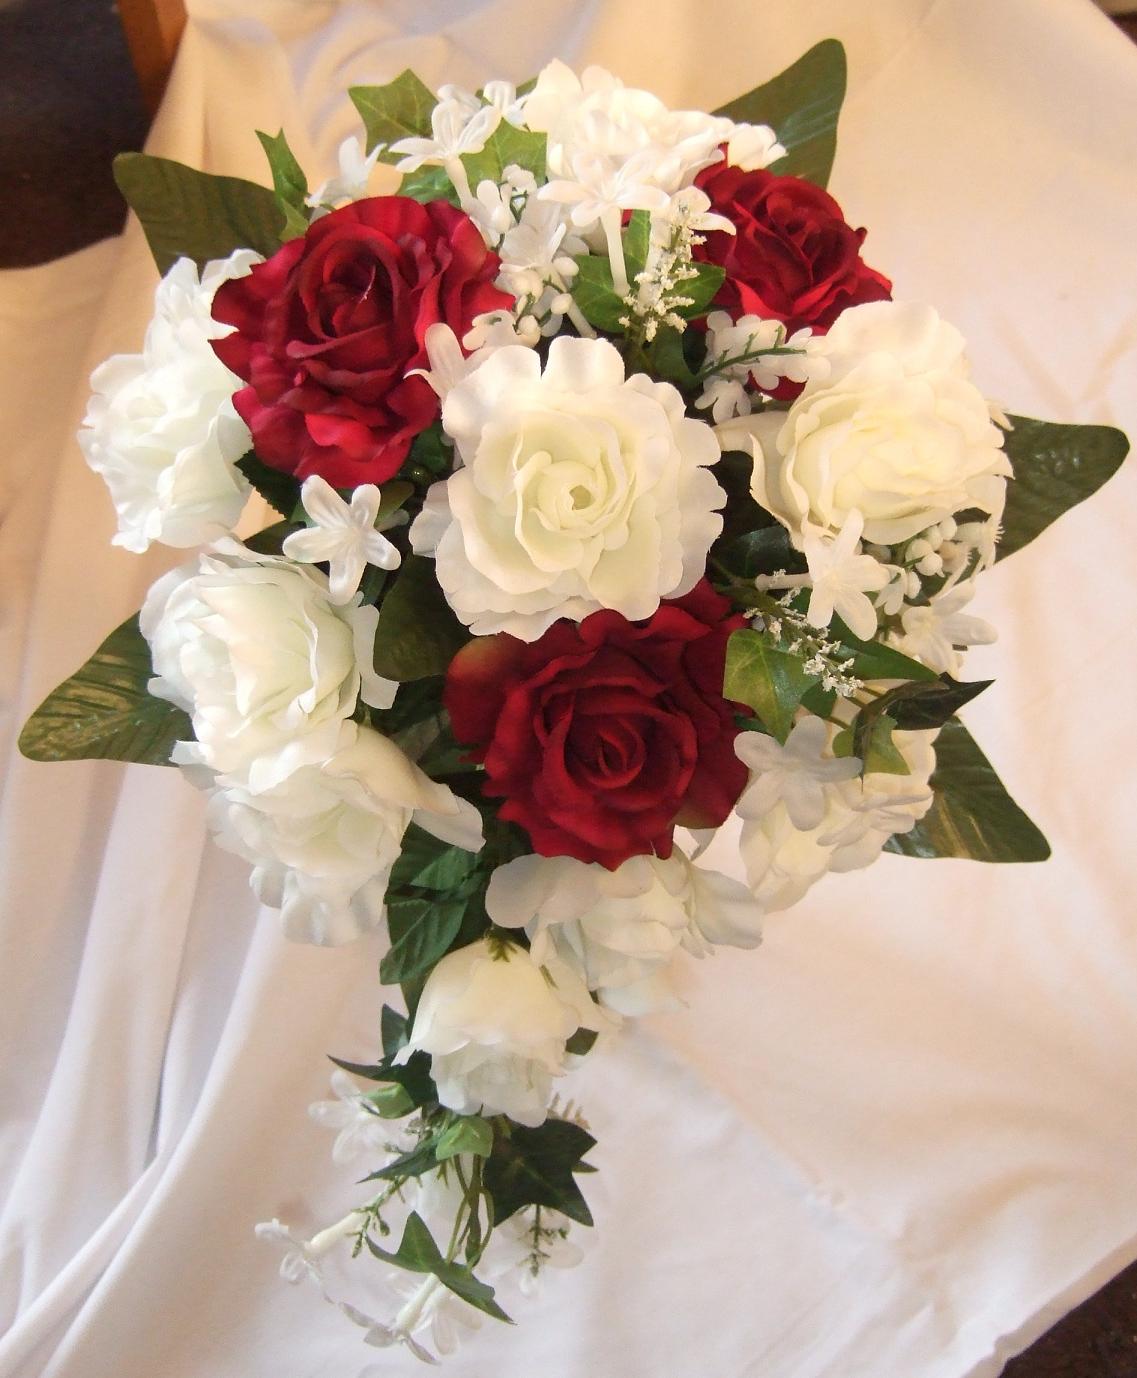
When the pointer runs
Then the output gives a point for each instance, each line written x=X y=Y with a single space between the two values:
x=581 y=490
x=269 y=668
x=895 y=431
x=841 y=824
x=323 y=840
x=620 y=930
x=495 y=1024
x=161 y=428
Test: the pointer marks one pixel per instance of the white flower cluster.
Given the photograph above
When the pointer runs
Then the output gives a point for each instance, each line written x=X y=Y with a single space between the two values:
x=887 y=444
x=315 y=801
x=161 y=428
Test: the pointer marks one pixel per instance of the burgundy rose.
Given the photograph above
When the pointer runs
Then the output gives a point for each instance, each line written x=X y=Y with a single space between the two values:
x=793 y=259
x=601 y=736
x=328 y=328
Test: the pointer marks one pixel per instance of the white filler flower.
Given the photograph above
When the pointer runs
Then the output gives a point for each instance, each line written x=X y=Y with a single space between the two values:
x=581 y=490
x=341 y=533
x=268 y=667
x=495 y=1024
x=896 y=431
x=323 y=839
x=620 y=930
x=160 y=427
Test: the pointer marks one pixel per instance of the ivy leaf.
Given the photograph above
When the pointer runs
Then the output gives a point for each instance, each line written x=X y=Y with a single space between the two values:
x=916 y=707
x=195 y=214
x=873 y=660
x=1056 y=467
x=972 y=815
x=766 y=679
x=872 y=742
x=105 y=712
x=593 y=290
x=427 y=184
x=288 y=181
x=701 y=289
x=421 y=932
x=534 y=1167
x=801 y=105
x=280 y=490
x=420 y=1159
x=399 y=110
x=417 y=634
x=413 y=1075
x=470 y=1134
x=418 y=1253
x=506 y=145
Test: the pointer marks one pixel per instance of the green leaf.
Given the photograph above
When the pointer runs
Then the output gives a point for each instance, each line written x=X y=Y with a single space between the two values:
x=766 y=679
x=413 y=1075
x=416 y=702
x=428 y=184
x=104 y=711
x=801 y=105
x=420 y=1159
x=470 y=1134
x=195 y=214
x=761 y=552
x=425 y=930
x=417 y=634
x=399 y=110
x=972 y=815
x=430 y=452
x=701 y=289
x=431 y=864
x=280 y=490
x=418 y=1253
x=1056 y=467
x=393 y=1028
x=506 y=145
x=390 y=1102
x=592 y=287
x=872 y=742
x=667 y=357
x=873 y=660
x=534 y=1167
x=581 y=1042
x=271 y=539
x=916 y=707
x=288 y=178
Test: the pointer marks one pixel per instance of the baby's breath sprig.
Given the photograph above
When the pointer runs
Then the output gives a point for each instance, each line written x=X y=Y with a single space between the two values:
x=823 y=657
x=658 y=297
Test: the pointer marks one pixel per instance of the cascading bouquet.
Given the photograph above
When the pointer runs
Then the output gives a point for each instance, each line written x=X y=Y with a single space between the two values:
x=619 y=504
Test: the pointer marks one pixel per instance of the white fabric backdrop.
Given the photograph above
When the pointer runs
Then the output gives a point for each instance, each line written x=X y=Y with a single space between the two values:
x=896 y=1140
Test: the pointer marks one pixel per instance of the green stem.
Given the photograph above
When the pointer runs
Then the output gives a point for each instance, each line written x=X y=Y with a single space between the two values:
x=746 y=358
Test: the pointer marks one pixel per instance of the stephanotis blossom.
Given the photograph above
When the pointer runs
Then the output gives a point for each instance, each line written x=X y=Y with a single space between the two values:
x=342 y=533
x=933 y=632
x=581 y=489
x=322 y=839
x=620 y=930
x=495 y=1024
x=161 y=428
x=267 y=666
x=843 y=819
x=896 y=430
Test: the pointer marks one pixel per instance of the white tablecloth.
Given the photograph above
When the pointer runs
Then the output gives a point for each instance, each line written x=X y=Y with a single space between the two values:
x=894 y=1142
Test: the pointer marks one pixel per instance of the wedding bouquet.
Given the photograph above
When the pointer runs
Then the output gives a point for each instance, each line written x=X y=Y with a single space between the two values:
x=622 y=511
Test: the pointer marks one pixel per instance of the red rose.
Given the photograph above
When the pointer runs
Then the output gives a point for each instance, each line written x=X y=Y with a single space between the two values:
x=329 y=327
x=793 y=259
x=601 y=736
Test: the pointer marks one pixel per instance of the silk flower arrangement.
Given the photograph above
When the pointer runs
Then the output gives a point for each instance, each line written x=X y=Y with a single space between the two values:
x=619 y=503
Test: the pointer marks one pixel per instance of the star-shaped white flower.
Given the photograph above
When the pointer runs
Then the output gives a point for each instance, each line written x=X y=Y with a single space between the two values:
x=343 y=534
x=842 y=578
x=795 y=774
x=355 y=173
x=933 y=633
x=360 y=1130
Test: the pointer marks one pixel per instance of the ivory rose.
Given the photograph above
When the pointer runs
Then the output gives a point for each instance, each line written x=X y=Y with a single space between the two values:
x=495 y=1024
x=896 y=431
x=267 y=666
x=580 y=490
